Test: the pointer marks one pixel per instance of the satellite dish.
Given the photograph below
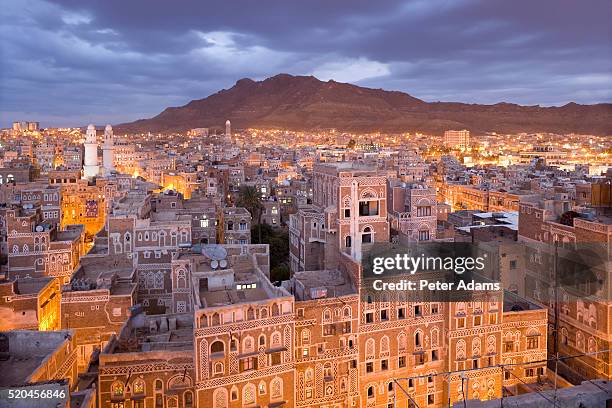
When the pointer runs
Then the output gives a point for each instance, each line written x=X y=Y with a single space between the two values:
x=223 y=263
x=214 y=264
x=214 y=252
x=40 y=228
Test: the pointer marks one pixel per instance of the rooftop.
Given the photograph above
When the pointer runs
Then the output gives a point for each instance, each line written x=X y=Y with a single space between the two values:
x=27 y=350
x=515 y=303
x=310 y=285
x=103 y=273
x=31 y=286
x=168 y=332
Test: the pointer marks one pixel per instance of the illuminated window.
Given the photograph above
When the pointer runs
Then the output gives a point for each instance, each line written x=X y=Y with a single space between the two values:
x=117 y=389
x=138 y=387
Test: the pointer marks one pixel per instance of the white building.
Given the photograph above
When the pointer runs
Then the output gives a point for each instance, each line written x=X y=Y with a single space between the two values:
x=108 y=150
x=90 y=166
x=228 y=130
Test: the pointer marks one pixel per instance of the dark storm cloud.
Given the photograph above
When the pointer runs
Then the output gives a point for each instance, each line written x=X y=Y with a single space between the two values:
x=67 y=62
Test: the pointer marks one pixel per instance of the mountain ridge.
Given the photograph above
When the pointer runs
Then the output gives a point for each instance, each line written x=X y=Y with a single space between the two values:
x=306 y=103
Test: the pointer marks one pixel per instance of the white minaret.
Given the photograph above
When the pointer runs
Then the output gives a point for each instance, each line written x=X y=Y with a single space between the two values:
x=228 y=130
x=108 y=150
x=90 y=166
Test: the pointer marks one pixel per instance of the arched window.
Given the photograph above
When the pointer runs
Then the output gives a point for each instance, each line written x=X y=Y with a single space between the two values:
x=435 y=337
x=117 y=389
x=384 y=344
x=220 y=398
x=138 y=387
x=181 y=279
x=261 y=389
x=216 y=319
x=276 y=340
x=370 y=349
x=262 y=340
x=370 y=392
x=247 y=345
x=276 y=388
x=217 y=347
x=248 y=394
x=366 y=236
x=159 y=394
x=308 y=375
x=327 y=316
x=327 y=370
x=218 y=368
x=402 y=342
x=418 y=339
x=188 y=399
x=347 y=241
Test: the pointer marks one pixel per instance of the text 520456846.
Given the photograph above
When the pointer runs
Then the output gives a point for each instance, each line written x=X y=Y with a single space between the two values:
x=29 y=393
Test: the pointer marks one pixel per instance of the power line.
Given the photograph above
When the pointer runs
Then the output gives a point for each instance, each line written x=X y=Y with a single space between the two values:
x=502 y=367
x=539 y=393
x=406 y=392
x=506 y=365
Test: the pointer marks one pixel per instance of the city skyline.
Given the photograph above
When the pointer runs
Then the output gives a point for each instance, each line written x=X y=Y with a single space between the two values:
x=287 y=204
x=102 y=66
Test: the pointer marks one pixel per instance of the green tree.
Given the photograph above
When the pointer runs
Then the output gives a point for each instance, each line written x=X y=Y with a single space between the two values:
x=278 y=240
x=250 y=198
x=280 y=273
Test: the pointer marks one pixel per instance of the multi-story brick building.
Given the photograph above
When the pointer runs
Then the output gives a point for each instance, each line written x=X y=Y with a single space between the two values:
x=349 y=211
x=234 y=226
x=37 y=248
x=412 y=211
x=581 y=321
x=271 y=213
x=32 y=304
x=185 y=183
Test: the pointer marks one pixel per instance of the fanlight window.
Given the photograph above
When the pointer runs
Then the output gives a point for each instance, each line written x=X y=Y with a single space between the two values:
x=117 y=389
x=138 y=387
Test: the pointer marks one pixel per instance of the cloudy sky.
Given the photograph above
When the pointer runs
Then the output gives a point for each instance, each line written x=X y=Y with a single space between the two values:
x=70 y=62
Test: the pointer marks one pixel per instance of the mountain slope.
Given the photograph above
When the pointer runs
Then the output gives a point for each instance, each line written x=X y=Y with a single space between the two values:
x=305 y=103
